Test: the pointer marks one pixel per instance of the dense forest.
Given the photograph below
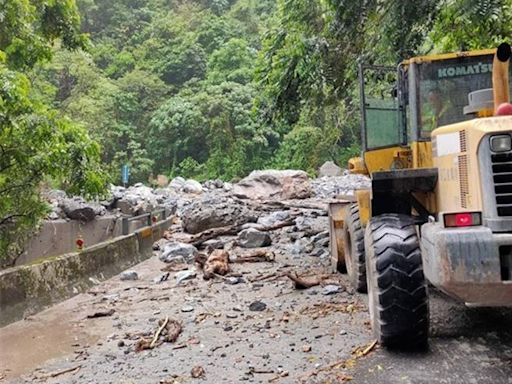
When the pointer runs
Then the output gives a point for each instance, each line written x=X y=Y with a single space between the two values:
x=197 y=88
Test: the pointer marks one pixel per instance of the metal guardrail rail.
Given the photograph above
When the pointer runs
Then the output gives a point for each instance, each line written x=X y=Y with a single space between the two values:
x=151 y=217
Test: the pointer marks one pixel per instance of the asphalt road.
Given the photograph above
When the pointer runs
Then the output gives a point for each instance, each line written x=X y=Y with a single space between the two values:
x=300 y=336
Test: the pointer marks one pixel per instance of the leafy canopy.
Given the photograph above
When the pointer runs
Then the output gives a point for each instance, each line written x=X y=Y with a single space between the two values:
x=36 y=145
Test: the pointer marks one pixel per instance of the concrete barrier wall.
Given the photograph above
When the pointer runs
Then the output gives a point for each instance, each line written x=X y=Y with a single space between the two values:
x=31 y=288
x=57 y=237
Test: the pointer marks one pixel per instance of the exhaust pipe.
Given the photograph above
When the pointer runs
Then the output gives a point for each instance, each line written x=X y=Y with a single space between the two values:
x=500 y=76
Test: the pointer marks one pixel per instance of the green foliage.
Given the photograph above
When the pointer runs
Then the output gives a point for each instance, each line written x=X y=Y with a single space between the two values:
x=217 y=88
x=472 y=24
x=233 y=61
x=35 y=143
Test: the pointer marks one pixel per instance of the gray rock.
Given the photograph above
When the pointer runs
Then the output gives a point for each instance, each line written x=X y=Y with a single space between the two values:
x=327 y=187
x=301 y=247
x=54 y=215
x=213 y=211
x=274 y=218
x=311 y=225
x=214 y=184
x=317 y=252
x=177 y=183
x=126 y=207
x=331 y=289
x=117 y=192
x=175 y=251
x=193 y=186
x=274 y=184
x=257 y=306
x=324 y=242
x=329 y=169
x=252 y=238
x=78 y=209
x=129 y=275
x=320 y=236
x=185 y=275
x=54 y=195
x=187 y=308
x=214 y=243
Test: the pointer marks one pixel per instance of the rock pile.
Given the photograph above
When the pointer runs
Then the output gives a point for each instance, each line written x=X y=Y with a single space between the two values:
x=215 y=203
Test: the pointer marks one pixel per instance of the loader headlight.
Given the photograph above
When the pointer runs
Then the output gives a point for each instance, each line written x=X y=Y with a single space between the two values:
x=501 y=143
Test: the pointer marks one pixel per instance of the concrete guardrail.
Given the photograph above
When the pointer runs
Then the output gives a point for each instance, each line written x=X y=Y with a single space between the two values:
x=27 y=289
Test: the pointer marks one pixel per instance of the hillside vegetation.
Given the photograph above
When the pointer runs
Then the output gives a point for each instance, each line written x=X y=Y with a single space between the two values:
x=197 y=88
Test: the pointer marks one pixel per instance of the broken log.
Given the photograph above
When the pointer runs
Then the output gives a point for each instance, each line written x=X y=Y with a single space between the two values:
x=304 y=282
x=233 y=230
x=256 y=256
x=217 y=263
x=168 y=331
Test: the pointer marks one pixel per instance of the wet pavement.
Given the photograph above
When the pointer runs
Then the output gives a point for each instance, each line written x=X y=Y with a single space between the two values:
x=296 y=336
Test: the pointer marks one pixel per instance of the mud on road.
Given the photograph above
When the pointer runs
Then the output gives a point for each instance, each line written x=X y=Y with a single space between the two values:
x=296 y=336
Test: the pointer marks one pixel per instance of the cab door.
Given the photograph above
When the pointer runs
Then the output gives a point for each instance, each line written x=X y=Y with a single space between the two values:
x=383 y=121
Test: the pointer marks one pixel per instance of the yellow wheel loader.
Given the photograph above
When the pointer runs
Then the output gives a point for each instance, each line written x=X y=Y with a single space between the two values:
x=437 y=145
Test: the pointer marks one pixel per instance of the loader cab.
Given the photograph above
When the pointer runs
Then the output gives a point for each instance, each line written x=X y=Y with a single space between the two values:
x=401 y=106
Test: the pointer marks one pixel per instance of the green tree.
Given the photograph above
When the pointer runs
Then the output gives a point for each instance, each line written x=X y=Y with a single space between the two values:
x=233 y=61
x=36 y=145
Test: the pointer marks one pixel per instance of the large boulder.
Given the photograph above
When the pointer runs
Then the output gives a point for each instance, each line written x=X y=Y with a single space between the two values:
x=252 y=238
x=330 y=169
x=193 y=186
x=213 y=211
x=274 y=184
x=177 y=183
x=78 y=209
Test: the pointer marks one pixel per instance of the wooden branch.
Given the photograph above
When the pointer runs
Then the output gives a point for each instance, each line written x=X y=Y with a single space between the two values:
x=63 y=371
x=232 y=230
x=304 y=283
x=257 y=256
x=157 y=334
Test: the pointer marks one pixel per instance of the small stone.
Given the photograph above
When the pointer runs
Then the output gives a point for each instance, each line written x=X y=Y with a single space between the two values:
x=306 y=348
x=187 y=308
x=331 y=289
x=257 y=306
x=185 y=275
x=197 y=372
x=120 y=343
x=129 y=275
x=161 y=278
x=231 y=315
x=343 y=332
x=233 y=280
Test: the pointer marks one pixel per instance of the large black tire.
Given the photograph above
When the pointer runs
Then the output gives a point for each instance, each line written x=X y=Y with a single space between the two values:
x=397 y=289
x=353 y=240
